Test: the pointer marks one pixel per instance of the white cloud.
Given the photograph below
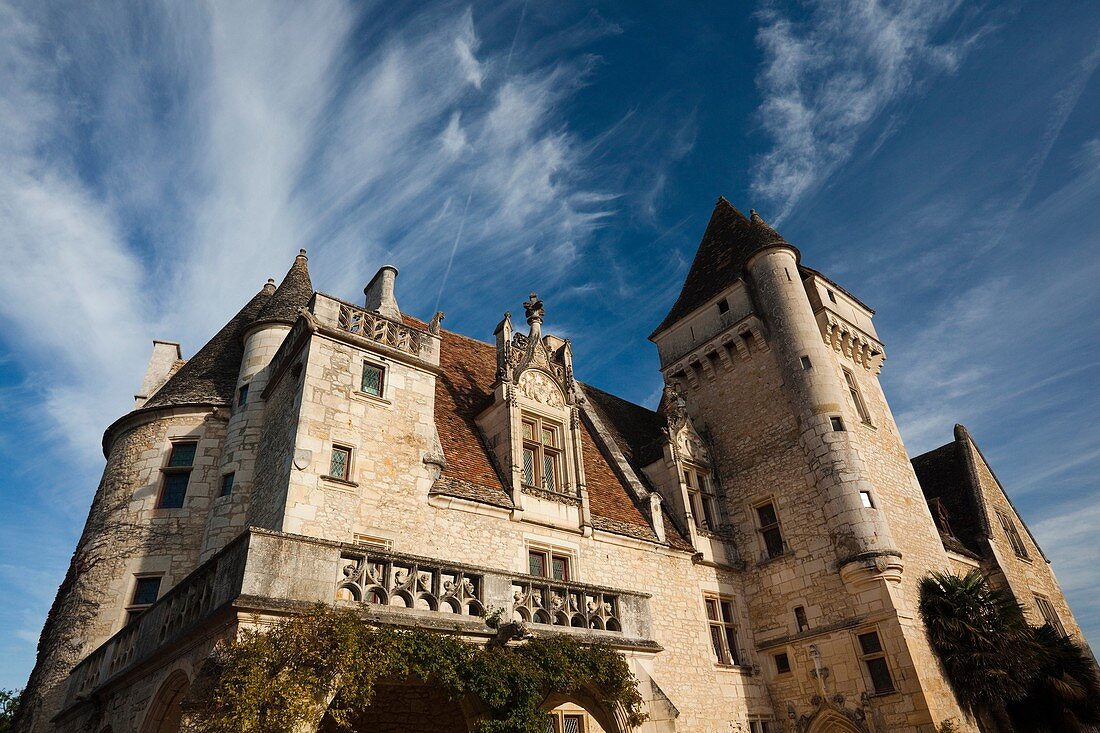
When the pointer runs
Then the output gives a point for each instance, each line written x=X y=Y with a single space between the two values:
x=825 y=79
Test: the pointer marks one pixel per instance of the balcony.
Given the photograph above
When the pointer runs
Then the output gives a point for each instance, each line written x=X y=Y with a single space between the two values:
x=265 y=572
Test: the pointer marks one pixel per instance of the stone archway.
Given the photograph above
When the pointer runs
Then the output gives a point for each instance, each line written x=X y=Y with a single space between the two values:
x=165 y=713
x=610 y=720
x=832 y=721
x=406 y=707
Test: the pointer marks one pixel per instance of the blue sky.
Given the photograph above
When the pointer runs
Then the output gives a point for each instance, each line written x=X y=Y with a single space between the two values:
x=159 y=161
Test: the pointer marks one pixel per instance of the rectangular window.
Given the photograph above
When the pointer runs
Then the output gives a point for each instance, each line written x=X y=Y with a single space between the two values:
x=782 y=663
x=831 y=294
x=366 y=540
x=548 y=564
x=723 y=306
x=874 y=659
x=770 y=532
x=227 y=484
x=723 y=629
x=865 y=498
x=800 y=619
x=806 y=364
x=242 y=396
x=1014 y=539
x=373 y=379
x=340 y=464
x=572 y=724
x=837 y=424
x=1046 y=609
x=176 y=475
x=857 y=397
x=701 y=498
x=542 y=454
x=146 y=591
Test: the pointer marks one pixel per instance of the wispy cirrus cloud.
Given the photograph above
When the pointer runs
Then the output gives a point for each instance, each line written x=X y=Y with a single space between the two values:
x=828 y=74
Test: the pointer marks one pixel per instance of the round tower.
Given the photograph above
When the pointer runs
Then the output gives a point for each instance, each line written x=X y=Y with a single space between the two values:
x=816 y=393
x=260 y=341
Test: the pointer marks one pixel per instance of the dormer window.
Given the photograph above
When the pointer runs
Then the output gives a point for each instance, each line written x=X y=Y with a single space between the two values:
x=701 y=498
x=542 y=454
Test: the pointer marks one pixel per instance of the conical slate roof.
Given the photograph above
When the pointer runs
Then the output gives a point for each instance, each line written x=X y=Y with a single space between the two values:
x=293 y=293
x=730 y=240
x=210 y=376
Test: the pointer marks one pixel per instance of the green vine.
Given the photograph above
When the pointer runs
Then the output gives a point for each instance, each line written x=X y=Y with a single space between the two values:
x=279 y=679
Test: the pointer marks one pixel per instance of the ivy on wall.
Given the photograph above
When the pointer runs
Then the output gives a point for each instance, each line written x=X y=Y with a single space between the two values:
x=277 y=680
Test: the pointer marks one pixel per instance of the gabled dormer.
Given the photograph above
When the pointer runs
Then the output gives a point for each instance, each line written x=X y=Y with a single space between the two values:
x=533 y=424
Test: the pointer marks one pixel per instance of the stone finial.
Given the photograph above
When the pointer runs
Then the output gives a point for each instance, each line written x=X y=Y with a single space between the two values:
x=269 y=286
x=534 y=311
x=753 y=216
x=379 y=293
x=302 y=254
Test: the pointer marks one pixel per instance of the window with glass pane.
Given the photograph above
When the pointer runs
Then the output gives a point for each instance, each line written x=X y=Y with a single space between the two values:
x=769 y=529
x=227 y=484
x=340 y=463
x=782 y=663
x=175 y=490
x=536 y=563
x=874 y=659
x=723 y=630
x=146 y=591
x=1013 y=535
x=372 y=379
x=1046 y=608
x=559 y=567
x=857 y=397
x=183 y=455
x=242 y=396
x=701 y=498
x=542 y=454
x=572 y=724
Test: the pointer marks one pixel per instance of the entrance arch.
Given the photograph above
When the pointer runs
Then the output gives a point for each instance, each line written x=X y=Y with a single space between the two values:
x=831 y=721
x=611 y=720
x=405 y=707
x=165 y=712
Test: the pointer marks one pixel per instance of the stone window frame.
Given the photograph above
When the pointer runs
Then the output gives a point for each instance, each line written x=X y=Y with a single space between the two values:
x=550 y=553
x=223 y=490
x=134 y=609
x=363 y=539
x=1049 y=613
x=702 y=496
x=556 y=721
x=761 y=725
x=867 y=658
x=786 y=656
x=762 y=529
x=720 y=626
x=383 y=381
x=170 y=472
x=542 y=451
x=349 y=463
x=855 y=394
x=1015 y=541
x=242 y=395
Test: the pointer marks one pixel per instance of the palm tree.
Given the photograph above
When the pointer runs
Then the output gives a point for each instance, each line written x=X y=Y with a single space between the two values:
x=983 y=641
x=1064 y=695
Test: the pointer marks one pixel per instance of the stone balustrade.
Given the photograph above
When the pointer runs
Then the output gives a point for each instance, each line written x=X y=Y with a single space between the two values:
x=380 y=329
x=274 y=574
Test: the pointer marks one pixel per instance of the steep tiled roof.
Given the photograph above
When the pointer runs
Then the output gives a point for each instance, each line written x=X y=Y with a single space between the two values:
x=728 y=242
x=293 y=293
x=210 y=376
x=943 y=475
x=636 y=429
x=463 y=390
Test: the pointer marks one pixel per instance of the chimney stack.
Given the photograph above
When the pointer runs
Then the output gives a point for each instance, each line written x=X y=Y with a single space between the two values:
x=379 y=292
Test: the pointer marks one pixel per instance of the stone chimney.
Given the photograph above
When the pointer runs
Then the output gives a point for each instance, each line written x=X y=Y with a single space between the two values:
x=379 y=292
x=164 y=357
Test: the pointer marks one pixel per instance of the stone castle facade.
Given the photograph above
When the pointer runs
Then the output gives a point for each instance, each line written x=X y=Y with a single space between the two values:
x=753 y=547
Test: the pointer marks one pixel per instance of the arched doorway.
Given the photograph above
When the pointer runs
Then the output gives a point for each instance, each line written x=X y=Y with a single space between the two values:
x=582 y=712
x=411 y=707
x=831 y=721
x=165 y=712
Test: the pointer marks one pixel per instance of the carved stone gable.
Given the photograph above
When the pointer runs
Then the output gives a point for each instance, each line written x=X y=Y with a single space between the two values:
x=538 y=386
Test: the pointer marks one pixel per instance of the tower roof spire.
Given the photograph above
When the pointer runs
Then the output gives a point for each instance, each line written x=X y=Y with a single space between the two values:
x=293 y=293
x=729 y=241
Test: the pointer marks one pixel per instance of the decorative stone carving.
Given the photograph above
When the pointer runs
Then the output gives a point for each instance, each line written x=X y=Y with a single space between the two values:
x=391 y=581
x=564 y=604
x=538 y=386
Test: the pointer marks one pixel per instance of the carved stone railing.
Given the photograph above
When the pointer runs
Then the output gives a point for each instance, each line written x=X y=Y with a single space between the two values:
x=392 y=580
x=380 y=329
x=562 y=604
x=263 y=572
